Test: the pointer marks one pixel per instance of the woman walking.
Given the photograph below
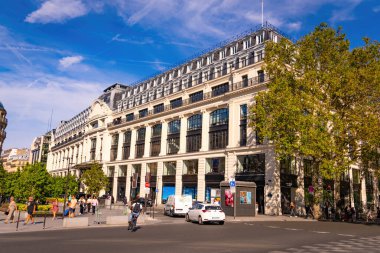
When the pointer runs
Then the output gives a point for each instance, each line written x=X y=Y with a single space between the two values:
x=54 y=208
x=11 y=211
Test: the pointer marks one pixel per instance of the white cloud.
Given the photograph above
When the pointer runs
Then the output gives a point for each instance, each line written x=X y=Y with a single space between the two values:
x=376 y=9
x=66 y=62
x=145 y=41
x=57 y=11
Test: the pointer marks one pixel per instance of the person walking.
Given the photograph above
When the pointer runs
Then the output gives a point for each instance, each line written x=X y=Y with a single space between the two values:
x=292 y=209
x=88 y=202
x=94 y=204
x=12 y=208
x=72 y=206
x=309 y=211
x=31 y=209
x=54 y=208
x=82 y=204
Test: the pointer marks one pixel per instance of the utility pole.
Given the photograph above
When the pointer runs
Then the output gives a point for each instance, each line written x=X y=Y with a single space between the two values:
x=66 y=186
x=262 y=13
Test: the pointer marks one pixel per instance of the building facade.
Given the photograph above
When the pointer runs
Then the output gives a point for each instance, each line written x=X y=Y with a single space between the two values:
x=186 y=130
x=40 y=148
x=15 y=158
x=3 y=125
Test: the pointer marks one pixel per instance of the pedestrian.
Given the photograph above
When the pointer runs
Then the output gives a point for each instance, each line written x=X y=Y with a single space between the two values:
x=88 y=202
x=309 y=211
x=378 y=212
x=72 y=206
x=292 y=209
x=11 y=210
x=82 y=204
x=54 y=208
x=94 y=204
x=327 y=205
x=353 y=214
x=31 y=209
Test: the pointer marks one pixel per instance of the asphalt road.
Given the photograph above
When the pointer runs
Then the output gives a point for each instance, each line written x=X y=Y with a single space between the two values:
x=183 y=237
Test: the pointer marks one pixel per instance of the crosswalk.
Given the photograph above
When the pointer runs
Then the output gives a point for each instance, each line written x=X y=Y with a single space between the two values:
x=359 y=245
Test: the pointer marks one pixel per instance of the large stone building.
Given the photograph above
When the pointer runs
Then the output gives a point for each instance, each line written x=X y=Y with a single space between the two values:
x=15 y=158
x=40 y=148
x=188 y=127
x=3 y=125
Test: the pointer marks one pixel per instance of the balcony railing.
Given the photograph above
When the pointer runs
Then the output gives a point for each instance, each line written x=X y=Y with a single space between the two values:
x=69 y=140
x=206 y=96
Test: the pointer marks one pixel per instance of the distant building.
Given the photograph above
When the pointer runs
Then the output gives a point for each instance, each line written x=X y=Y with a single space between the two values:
x=40 y=148
x=15 y=158
x=3 y=125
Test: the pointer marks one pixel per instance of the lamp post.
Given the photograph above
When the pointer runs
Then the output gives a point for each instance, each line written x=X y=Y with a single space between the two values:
x=66 y=186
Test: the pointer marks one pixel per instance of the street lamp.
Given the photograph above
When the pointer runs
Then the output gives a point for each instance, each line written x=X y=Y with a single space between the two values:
x=66 y=186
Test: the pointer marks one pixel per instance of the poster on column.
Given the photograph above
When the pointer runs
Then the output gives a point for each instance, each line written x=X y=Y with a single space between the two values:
x=245 y=198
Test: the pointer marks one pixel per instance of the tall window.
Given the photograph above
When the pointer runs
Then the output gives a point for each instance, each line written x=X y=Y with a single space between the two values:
x=215 y=165
x=197 y=96
x=170 y=168
x=243 y=125
x=175 y=103
x=288 y=166
x=260 y=76
x=194 y=133
x=127 y=144
x=140 y=142
x=173 y=136
x=220 y=89
x=158 y=108
x=93 y=149
x=218 y=134
x=114 y=145
x=155 y=141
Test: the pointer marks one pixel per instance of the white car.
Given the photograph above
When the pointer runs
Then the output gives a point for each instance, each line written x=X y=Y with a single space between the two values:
x=203 y=213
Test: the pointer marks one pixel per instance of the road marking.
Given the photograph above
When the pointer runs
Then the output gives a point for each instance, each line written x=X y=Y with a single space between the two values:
x=272 y=227
x=321 y=232
x=346 y=235
x=294 y=229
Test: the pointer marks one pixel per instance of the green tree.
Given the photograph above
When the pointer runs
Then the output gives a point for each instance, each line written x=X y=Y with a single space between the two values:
x=57 y=185
x=322 y=102
x=94 y=179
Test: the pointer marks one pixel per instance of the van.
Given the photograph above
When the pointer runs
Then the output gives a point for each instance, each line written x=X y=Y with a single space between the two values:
x=178 y=205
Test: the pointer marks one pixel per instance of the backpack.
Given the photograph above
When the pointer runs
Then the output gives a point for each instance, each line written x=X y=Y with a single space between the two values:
x=136 y=208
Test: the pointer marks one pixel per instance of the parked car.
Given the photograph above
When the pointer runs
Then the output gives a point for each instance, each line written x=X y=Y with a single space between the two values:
x=149 y=202
x=203 y=213
x=178 y=205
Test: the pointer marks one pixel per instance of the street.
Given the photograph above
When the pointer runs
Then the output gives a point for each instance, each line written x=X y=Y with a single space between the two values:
x=175 y=235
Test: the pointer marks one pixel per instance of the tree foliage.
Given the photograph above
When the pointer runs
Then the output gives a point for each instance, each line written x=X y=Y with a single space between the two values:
x=94 y=179
x=34 y=180
x=322 y=101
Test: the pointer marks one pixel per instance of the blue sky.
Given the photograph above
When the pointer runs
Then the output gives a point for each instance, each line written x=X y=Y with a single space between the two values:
x=60 y=54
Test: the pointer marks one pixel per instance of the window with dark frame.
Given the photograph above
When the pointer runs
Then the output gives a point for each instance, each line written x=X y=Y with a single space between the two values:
x=243 y=125
x=220 y=89
x=254 y=164
x=127 y=144
x=175 y=103
x=194 y=133
x=218 y=135
x=140 y=142
x=195 y=97
x=155 y=141
x=114 y=146
x=129 y=117
x=143 y=113
x=158 y=108
x=173 y=139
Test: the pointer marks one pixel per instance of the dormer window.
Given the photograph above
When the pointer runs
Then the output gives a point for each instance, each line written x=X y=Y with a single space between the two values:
x=247 y=44
x=209 y=59
x=233 y=50
x=222 y=54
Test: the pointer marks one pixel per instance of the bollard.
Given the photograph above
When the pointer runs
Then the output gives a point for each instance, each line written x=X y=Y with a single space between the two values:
x=44 y=220
x=18 y=220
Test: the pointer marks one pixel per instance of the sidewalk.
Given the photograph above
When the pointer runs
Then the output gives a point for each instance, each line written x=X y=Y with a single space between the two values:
x=267 y=218
x=58 y=223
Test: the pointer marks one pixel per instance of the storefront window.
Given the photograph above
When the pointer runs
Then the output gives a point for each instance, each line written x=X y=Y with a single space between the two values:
x=215 y=165
x=252 y=164
x=170 y=168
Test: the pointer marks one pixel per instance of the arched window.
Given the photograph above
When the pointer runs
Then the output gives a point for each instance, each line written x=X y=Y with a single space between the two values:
x=219 y=117
x=194 y=122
